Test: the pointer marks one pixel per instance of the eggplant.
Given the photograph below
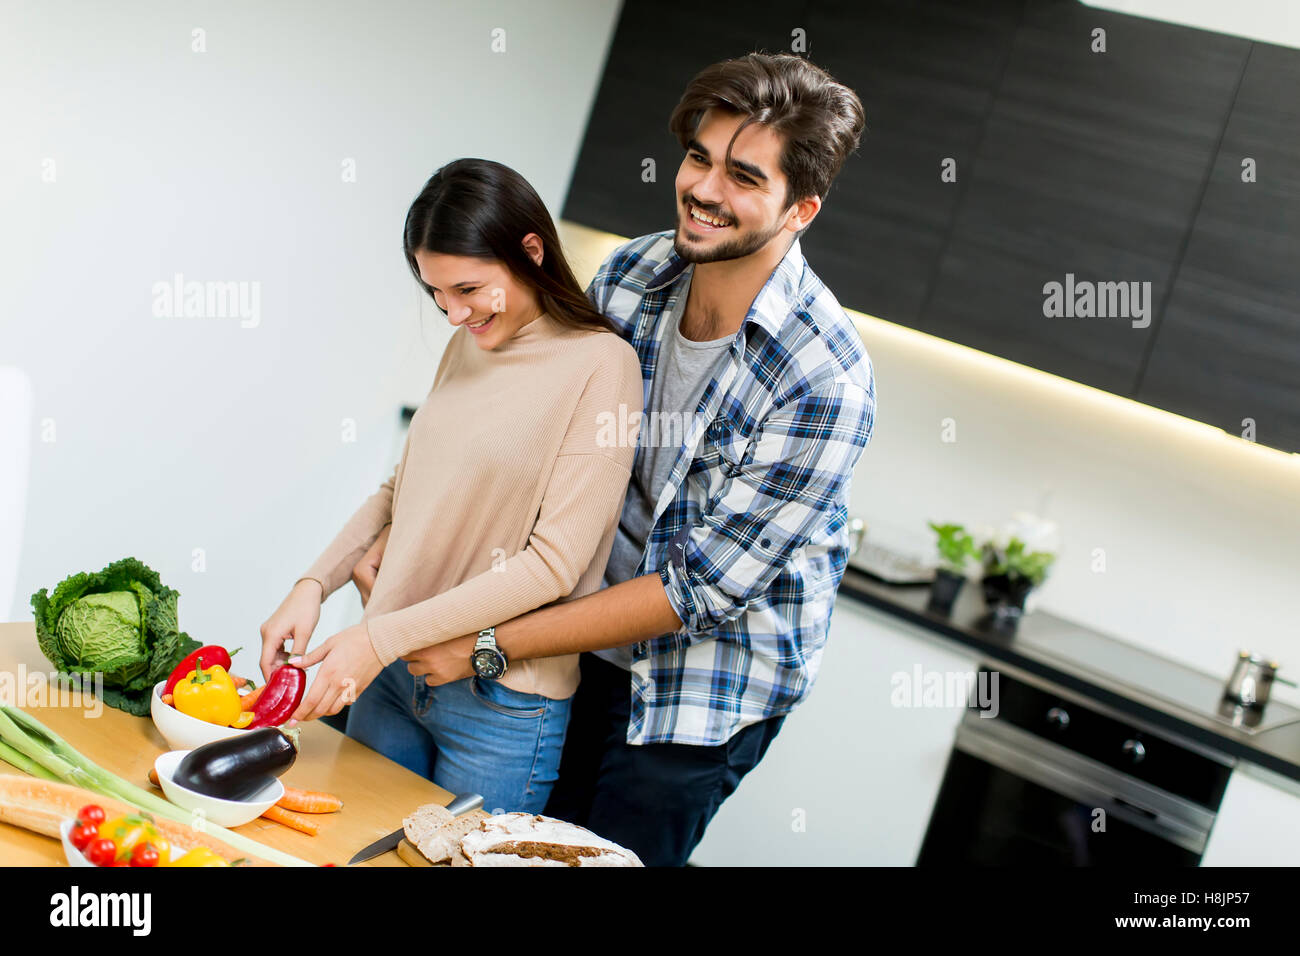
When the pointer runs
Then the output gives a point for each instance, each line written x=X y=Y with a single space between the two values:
x=237 y=767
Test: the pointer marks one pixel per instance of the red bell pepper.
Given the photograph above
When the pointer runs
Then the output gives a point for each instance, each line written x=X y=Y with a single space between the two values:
x=211 y=654
x=280 y=697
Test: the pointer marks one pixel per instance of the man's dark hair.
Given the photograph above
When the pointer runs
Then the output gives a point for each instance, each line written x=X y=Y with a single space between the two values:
x=819 y=119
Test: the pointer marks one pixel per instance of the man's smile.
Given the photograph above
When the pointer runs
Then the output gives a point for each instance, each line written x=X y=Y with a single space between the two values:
x=705 y=222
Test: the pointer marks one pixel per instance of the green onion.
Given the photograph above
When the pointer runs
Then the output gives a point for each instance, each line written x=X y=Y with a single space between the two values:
x=9 y=755
x=43 y=753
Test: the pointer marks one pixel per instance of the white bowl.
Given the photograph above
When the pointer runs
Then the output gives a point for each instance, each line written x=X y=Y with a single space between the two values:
x=75 y=856
x=181 y=731
x=224 y=813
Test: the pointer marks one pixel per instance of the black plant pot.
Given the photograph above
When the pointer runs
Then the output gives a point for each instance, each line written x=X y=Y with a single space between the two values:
x=1005 y=596
x=944 y=590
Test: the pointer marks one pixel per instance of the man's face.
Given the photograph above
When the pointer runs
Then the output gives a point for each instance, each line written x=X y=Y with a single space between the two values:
x=748 y=198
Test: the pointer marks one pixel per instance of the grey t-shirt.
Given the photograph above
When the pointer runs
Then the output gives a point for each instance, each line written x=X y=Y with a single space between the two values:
x=681 y=374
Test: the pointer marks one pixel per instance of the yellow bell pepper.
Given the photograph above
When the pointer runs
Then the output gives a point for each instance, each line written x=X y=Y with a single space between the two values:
x=128 y=831
x=199 y=856
x=208 y=694
x=244 y=719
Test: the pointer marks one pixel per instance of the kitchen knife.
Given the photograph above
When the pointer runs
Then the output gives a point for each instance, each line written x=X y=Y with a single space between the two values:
x=461 y=803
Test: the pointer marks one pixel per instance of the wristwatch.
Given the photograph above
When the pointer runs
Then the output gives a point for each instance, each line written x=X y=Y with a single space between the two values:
x=486 y=658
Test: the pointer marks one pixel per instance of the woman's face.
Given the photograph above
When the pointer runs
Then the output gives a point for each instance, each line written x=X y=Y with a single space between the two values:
x=481 y=294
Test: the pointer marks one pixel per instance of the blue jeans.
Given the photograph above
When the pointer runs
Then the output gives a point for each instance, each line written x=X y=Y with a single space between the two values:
x=472 y=735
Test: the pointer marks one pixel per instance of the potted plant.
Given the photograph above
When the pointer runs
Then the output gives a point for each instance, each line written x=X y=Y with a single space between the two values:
x=956 y=547
x=1011 y=571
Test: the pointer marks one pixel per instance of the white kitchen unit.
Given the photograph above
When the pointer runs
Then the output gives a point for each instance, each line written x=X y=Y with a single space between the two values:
x=1258 y=822
x=852 y=777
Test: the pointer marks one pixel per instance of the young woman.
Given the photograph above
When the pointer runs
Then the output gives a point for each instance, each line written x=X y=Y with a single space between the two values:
x=507 y=498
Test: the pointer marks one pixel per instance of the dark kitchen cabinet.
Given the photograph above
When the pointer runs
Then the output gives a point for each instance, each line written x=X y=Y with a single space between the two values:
x=1228 y=348
x=926 y=74
x=1092 y=165
x=657 y=48
x=1120 y=166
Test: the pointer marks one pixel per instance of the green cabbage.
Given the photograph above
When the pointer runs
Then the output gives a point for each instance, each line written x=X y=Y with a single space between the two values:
x=120 y=622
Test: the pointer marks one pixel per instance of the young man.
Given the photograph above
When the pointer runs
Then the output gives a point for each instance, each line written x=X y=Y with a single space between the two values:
x=733 y=536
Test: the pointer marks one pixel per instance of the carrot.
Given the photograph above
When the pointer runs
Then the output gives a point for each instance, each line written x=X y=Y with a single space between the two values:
x=290 y=819
x=167 y=698
x=249 y=700
x=239 y=681
x=309 y=801
x=153 y=778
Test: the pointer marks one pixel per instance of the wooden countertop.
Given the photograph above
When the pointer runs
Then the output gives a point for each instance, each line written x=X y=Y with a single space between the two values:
x=376 y=792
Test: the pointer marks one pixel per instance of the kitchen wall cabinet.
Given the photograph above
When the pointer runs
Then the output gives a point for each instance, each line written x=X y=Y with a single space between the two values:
x=657 y=48
x=1258 y=823
x=1106 y=167
x=1228 y=347
x=1091 y=166
x=851 y=778
x=926 y=73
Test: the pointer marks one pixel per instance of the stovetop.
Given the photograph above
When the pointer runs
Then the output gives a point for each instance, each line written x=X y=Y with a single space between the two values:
x=1155 y=676
x=1136 y=682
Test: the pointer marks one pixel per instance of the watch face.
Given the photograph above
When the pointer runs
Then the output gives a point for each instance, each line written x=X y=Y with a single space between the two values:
x=487 y=663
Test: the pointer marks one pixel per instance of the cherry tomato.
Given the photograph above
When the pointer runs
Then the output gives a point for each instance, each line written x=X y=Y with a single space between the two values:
x=91 y=813
x=82 y=833
x=144 y=854
x=101 y=852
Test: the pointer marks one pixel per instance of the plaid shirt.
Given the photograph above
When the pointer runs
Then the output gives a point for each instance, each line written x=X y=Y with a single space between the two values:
x=750 y=533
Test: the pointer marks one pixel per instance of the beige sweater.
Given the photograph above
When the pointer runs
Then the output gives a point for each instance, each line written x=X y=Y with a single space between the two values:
x=507 y=496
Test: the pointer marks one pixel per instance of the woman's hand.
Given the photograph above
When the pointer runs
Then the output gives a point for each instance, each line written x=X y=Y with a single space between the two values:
x=296 y=618
x=348 y=664
x=367 y=569
x=443 y=663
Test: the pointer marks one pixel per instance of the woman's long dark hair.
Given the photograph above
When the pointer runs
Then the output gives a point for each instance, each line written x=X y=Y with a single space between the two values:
x=482 y=209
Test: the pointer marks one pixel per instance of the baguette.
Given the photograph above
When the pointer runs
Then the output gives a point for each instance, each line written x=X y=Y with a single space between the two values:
x=41 y=805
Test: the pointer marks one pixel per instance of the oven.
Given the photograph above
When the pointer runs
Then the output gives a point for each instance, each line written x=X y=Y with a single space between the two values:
x=1051 y=780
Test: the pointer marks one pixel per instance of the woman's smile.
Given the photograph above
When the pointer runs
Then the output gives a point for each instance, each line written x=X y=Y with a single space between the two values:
x=481 y=327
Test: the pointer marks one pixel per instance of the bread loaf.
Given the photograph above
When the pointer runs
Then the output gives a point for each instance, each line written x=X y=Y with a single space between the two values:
x=528 y=839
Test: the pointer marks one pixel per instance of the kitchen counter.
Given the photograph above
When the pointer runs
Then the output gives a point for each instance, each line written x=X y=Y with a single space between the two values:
x=1138 y=684
x=376 y=792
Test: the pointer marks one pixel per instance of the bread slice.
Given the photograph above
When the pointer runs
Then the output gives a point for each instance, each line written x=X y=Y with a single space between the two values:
x=433 y=831
x=424 y=821
x=529 y=839
x=442 y=844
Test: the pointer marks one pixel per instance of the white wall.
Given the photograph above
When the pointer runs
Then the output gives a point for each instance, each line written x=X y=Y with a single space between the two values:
x=172 y=434
x=1268 y=21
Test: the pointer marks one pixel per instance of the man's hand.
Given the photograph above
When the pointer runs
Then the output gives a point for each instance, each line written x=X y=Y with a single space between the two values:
x=348 y=665
x=367 y=569
x=443 y=663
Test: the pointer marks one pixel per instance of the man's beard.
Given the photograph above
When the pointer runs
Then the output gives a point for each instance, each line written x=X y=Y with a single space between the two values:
x=735 y=248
